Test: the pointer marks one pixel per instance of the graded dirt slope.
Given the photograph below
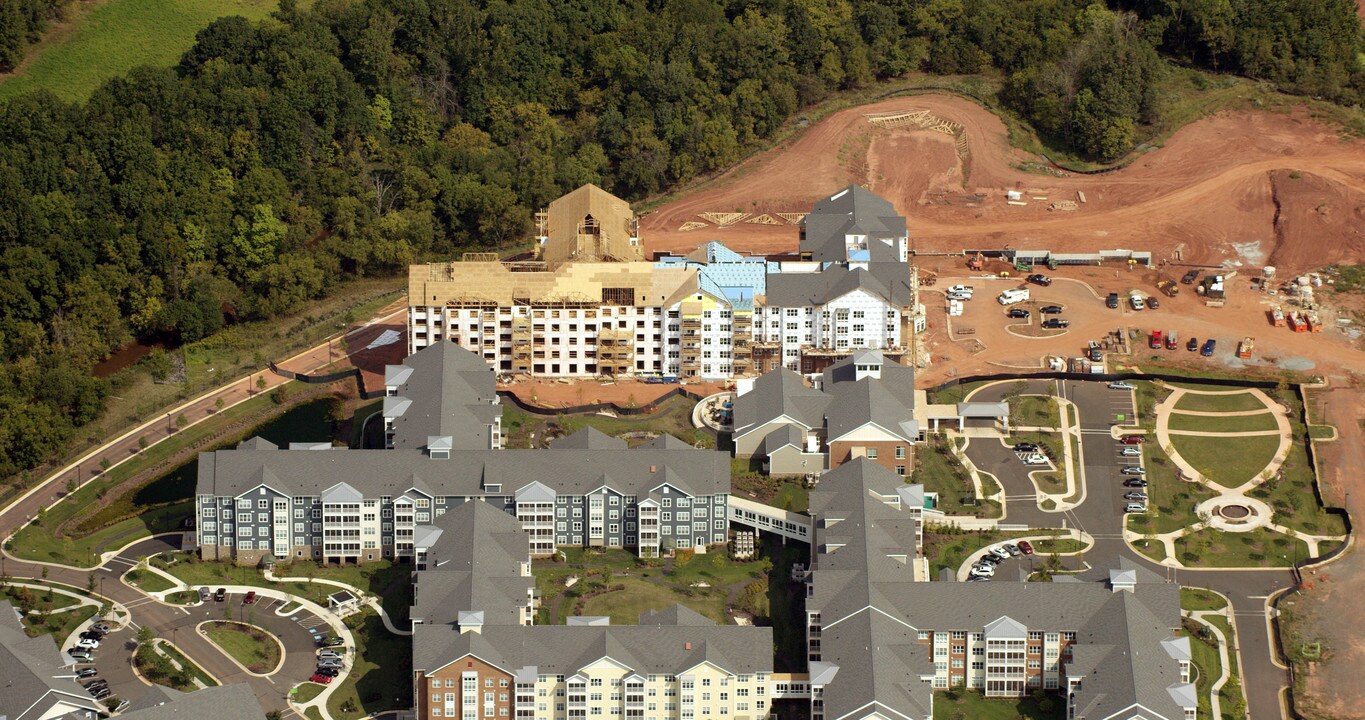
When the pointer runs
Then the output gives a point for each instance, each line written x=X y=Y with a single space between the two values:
x=1207 y=196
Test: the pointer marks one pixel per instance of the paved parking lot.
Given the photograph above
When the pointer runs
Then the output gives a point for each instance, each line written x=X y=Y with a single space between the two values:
x=1101 y=515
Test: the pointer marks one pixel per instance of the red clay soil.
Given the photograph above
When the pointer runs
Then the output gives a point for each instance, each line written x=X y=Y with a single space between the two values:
x=1334 y=592
x=1213 y=184
x=551 y=394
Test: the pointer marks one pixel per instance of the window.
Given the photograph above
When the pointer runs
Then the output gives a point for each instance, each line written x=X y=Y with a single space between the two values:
x=900 y=453
x=872 y=453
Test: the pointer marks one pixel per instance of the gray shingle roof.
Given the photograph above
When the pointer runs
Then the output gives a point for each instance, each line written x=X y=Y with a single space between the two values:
x=565 y=649
x=802 y=289
x=466 y=473
x=473 y=564
x=777 y=393
x=226 y=702
x=589 y=438
x=851 y=211
x=451 y=392
x=30 y=686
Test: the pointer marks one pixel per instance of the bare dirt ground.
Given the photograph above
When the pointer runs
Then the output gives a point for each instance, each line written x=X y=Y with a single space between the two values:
x=1332 y=598
x=1221 y=181
x=551 y=394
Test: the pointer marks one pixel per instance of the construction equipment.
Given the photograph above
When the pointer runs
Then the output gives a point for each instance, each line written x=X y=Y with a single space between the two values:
x=976 y=262
x=1245 y=347
x=1168 y=287
x=1276 y=316
x=1021 y=266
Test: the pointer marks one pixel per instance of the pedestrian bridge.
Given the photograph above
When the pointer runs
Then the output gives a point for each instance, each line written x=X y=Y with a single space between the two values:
x=756 y=515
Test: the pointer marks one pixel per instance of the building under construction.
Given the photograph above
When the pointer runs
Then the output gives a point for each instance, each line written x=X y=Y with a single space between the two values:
x=590 y=305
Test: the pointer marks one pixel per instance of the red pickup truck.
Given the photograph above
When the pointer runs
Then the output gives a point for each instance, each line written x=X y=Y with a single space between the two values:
x=1156 y=341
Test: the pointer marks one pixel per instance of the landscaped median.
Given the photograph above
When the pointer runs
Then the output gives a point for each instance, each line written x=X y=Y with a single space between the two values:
x=253 y=648
x=1202 y=609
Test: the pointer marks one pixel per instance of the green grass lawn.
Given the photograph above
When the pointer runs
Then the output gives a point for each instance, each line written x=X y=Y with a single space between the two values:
x=673 y=416
x=1223 y=423
x=307 y=692
x=189 y=667
x=1259 y=548
x=1172 y=500
x=59 y=625
x=1192 y=598
x=118 y=36
x=1290 y=493
x=625 y=605
x=1209 y=667
x=147 y=581
x=1061 y=546
x=961 y=704
x=1233 y=402
x=954 y=394
x=1228 y=461
x=184 y=597
x=391 y=582
x=1151 y=549
x=1035 y=411
x=248 y=645
x=380 y=678
x=939 y=472
x=1231 y=701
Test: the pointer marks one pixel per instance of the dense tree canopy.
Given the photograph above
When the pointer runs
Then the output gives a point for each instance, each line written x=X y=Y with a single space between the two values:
x=279 y=159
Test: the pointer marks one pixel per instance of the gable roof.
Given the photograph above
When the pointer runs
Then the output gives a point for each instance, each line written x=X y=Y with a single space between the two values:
x=449 y=393
x=33 y=681
x=569 y=238
x=473 y=562
x=225 y=702
x=589 y=438
x=777 y=393
x=853 y=210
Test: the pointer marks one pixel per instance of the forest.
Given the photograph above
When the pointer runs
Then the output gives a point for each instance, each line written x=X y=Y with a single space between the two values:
x=278 y=159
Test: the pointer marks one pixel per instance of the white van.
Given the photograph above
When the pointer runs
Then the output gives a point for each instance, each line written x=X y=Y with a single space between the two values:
x=1010 y=297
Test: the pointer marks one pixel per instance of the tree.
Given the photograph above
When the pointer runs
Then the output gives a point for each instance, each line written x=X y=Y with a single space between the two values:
x=181 y=421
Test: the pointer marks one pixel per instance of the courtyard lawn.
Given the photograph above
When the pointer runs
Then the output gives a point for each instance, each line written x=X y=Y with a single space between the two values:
x=1291 y=495
x=1195 y=599
x=1228 y=461
x=59 y=624
x=673 y=417
x=1232 y=402
x=1035 y=411
x=380 y=678
x=251 y=646
x=637 y=596
x=961 y=704
x=1259 y=548
x=940 y=472
x=306 y=692
x=147 y=581
x=1061 y=546
x=1223 y=423
x=1172 y=500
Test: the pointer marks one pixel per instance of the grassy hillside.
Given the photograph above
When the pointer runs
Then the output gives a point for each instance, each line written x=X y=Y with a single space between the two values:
x=116 y=36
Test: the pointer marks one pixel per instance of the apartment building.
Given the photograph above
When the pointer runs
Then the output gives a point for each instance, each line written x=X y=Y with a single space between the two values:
x=1110 y=646
x=861 y=406
x=589 y=305
x=38 y=682
x=442 y=399
x=473 y=569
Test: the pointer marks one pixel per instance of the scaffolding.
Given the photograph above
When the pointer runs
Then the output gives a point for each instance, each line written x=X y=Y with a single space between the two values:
x=615 y=350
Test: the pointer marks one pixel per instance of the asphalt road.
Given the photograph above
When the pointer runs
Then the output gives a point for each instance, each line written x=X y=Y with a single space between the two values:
x=1101 y=515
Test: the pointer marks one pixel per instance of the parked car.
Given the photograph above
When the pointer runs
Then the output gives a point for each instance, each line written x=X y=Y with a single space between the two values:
x=100 y=628
x=1190 y=277
x=81 y=654
x=1040 y=279
x=1134 y=507
x=1153 y=303
x=1135 y=482
x=1134 y=470
x=1136 y=496
x=325 y=640
x=1192 y=345
x=983 y=571
x=1013 y=549
x=1207 y=350
x=1137 y=302
x=1000 y=552
x=205 y=594
x=978 y=578
x=92 y=635
x=1034 y=459
x=1018 y=313
x=961 y=289
x=1130 y=452
x=221 y=595
x=321 y=679
x=1025 y=447
x=1096 y=352
x=1026 y=547
x=1132 y=439
x=328 y=671
x=959 y=296
x=250 y=598
x=330 y=654
x=1112 y=301
x=1050 y=309
x=88 y=643
x=100 y=693
x=1121 y=385
x=84 y=673
x=1056 y=323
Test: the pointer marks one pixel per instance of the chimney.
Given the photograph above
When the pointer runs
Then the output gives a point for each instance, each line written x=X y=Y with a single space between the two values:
x=654 y=468
x=688 y=645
